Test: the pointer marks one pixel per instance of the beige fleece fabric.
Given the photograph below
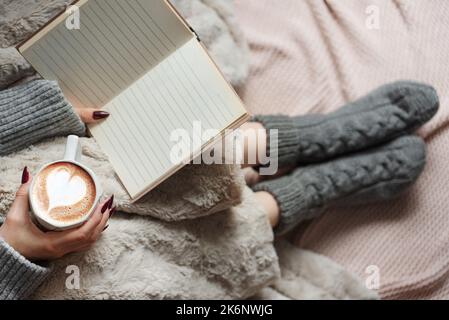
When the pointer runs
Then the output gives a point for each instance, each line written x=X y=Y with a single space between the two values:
x=313 y=56
x=228 y=255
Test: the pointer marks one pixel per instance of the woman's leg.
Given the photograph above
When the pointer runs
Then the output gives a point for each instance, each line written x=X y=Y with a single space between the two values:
x=270 y=205
x=374 y=175
x=384 y=114
x=388 y=112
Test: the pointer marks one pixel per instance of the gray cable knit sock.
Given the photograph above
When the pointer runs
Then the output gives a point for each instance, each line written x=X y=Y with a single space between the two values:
x=374 y=175
x=384 y=114
x=18 y=276
x=34 y=111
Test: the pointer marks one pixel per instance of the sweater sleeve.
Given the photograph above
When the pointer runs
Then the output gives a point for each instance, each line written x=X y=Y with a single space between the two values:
x=32 y=112
x=18 y=276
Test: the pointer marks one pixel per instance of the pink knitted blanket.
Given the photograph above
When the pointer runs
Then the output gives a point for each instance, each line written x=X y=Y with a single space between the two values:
x=313 y=56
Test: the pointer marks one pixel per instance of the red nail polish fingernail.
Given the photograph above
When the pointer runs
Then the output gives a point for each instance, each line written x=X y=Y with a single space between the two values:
x=25 y=175
x=105 y=207
x=98 y=115
x=105 y=227
x=111 y=201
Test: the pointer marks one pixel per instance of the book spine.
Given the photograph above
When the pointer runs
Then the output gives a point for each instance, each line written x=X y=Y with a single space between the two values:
x=173 y=8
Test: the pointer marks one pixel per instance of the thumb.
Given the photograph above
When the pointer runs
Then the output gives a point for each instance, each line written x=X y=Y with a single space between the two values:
x=20 y=206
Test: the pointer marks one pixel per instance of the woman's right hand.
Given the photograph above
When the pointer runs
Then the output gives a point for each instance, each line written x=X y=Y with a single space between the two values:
x=22 y=234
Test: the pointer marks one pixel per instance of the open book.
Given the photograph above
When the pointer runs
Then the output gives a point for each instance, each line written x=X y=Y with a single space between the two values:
x=142 y=62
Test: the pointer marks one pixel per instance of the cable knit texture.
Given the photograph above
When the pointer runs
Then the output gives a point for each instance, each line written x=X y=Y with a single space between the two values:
x=313 y=56
x=34 y=111
x=387 y=112
x=371 y=176
x=18 y=277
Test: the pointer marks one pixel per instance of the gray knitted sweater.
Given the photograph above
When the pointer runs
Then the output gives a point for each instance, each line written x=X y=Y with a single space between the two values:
x=18 y=276
x=29 y=113
x=34 y=111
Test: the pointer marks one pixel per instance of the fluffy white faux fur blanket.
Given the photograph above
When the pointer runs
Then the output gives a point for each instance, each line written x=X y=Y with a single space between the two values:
x=227 y=255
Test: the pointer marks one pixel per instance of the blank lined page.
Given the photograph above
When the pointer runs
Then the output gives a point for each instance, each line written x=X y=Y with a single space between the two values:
x=117 y=43
x=185 y=88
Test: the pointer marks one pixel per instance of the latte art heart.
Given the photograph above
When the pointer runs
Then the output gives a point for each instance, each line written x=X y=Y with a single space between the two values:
x=63 y=189
x=63 y=192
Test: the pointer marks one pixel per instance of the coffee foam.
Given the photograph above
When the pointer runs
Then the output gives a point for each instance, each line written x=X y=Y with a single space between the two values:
x=63 y=192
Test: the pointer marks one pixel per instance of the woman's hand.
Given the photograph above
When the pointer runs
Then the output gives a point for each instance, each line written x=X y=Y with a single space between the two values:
x=90 y=115
x=22 y=234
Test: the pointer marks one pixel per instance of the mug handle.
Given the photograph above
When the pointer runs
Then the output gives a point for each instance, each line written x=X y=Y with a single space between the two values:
x=72 y=149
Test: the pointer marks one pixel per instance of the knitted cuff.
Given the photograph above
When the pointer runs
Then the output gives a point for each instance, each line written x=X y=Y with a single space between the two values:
x=286 y=149
x=34 y=111
x=290 y=197
x=18 y=276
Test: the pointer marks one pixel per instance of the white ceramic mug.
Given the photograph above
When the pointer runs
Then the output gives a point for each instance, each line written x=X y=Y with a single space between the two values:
x=72 y=155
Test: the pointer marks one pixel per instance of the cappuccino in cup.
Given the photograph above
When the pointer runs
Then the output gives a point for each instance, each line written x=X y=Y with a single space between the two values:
x=64 y=193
